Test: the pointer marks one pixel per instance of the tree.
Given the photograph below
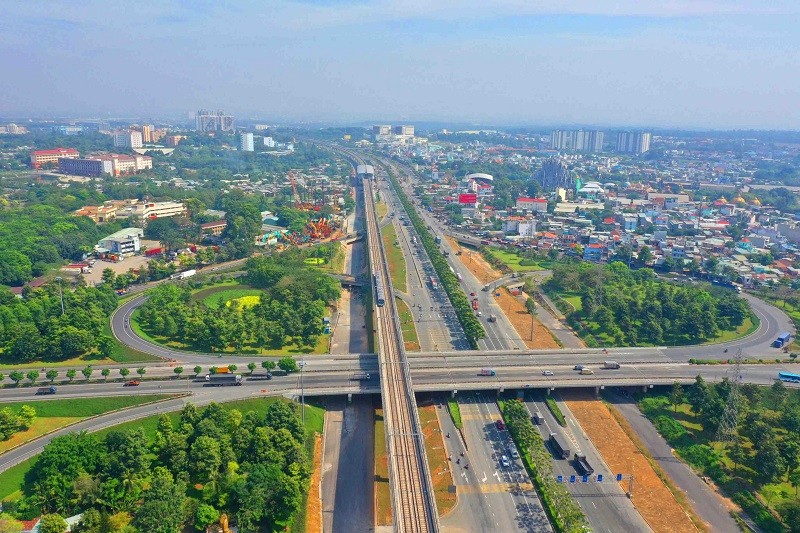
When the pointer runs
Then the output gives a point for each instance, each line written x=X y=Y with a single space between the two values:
x=268 y=365
x=768 y=462
x=87 y=372
x=162 y=508
x=32 y=376
x=52 y=523
x=288 y=364
x=51 y=375
x=205 y=457
x=794 y=479
x=141 y=371
x=251 y=366
x=676 y=396
x=738 y=454
x=282 y=415
x=205 y=516
x=105 y=345
x=124 y=372
x=645 y=255
x=109 y=276
x=790 y=451
x=178 y=370
x=197 y=369
x=16 y=376
x=232 y=367
x=778 y=394
x=105 y=373
x=790 y=512
x=71 y=373
x=698 y=395
x=26 y=416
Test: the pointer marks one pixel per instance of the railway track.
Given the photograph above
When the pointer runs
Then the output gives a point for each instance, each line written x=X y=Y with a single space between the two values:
x=413 y=503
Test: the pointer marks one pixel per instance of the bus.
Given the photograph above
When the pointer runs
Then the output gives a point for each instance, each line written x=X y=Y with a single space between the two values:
x=789 y=377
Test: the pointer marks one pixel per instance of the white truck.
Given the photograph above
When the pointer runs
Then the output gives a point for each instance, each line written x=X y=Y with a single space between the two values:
x=185 y=274
x=613 y=365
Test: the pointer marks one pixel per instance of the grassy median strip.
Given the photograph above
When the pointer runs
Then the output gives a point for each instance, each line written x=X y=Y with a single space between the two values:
x=455 y=412
x=407 y=325
x=556 y=410
x=383 y=496
x=564 y=513
x=441 y=475
x=397 y=263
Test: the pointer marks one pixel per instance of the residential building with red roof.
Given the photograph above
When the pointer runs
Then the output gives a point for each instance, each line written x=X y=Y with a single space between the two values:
x=43 y=158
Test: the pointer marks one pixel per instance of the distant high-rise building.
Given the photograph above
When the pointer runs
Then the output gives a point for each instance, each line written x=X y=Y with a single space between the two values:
x=633 y=142
x=213 y=121
x=147 y=134
x=127 y=139
x=404 y=131
x=382 y=132
x=269 y=142
x=554 y=174
x=577 y=140
x=246 y=142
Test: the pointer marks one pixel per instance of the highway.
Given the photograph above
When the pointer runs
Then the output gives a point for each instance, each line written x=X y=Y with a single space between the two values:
x=413 y=503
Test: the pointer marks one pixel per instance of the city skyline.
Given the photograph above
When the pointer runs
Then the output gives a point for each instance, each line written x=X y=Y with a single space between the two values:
x=694 y=65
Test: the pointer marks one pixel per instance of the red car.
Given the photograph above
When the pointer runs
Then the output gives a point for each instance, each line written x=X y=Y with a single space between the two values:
x=132 y=383
x=500 y=425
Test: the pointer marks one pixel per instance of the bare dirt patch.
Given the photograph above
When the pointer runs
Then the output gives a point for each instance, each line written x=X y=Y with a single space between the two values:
x=521 y=320
x=441 y=474
x=475 y=263
x=314 y=509
x=651 y=496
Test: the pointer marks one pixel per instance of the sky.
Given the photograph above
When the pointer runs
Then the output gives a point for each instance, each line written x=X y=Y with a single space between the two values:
x=715 y=64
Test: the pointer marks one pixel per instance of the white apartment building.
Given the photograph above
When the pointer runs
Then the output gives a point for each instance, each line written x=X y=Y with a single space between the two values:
x=127 y=139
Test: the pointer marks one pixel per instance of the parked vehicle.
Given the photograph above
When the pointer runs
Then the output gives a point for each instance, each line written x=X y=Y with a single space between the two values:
x=223 y=380
x=558 y=446
x=132 y=383
x=487 y=372
x=611 y=364
x=46 y=390
x=583 y=465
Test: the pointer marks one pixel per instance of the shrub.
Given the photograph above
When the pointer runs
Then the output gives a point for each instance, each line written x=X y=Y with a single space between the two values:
x=669 y=428
x=653 y=404
x=699 y=455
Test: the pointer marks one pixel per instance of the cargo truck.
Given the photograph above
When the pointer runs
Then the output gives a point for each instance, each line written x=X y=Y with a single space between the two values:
x=583 y=465
x=487 y=372
x=223 y=380
x=558 y=446
x=538 y=419
x=611 y=364
x=782 y=340
x=46 y=390
x=360 y=376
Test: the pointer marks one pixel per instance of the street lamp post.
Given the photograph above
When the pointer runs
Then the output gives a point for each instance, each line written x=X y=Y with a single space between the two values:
x=302 y=394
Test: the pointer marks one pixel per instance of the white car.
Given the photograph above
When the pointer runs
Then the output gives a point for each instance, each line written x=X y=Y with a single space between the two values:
x=504 y=462
x=547 y=372
x=513 y=453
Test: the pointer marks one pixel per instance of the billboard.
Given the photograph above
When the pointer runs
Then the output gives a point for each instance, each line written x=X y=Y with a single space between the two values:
x=467 y=198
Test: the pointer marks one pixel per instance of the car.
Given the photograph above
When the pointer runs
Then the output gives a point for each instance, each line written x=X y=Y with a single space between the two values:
x=578 y=367
x=500 y=425
x=132 y=383
x=547 y=372
x=513 y=453
x=504 y=462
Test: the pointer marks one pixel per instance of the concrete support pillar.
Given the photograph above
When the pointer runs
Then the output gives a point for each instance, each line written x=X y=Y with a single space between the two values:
x=350 y=397
x=644 y=389
x=597 y=392
x=453 y=393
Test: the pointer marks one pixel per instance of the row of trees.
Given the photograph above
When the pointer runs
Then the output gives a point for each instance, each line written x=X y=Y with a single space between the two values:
x=562 y=508
x=38 y=327
x=466 y=316
x=632 y=306
x=765 y=447
x=252 y=467
x=290 y=310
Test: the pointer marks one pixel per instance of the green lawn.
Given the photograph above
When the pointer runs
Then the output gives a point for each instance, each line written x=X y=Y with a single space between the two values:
x=11 y=481
x=407 y=325
x=211 y=295
x=749 y=325
x=397 y=263
x=517 y=263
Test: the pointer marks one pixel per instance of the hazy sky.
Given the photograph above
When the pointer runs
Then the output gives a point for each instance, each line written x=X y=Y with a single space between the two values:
x=685 y=63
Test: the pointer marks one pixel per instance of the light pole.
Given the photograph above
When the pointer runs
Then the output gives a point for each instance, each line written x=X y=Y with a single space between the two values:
x=302 y=394
x=60 y=293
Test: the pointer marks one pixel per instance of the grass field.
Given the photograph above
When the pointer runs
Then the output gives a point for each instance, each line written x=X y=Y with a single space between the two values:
x=381 y=208
x=441 y=476
x=517 y=263
x=397 y=263
x=407 y=325
x=383 y=497
x=212 y=295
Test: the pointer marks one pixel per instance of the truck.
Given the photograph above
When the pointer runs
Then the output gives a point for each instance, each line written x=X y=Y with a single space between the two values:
x=558 y=446
x=487 y=372
x=611 y=364
x=360 y=376
x=153 y=251
x=223 y=380
x=186 y=274
x=437 y=240
x=537 y=418
x=475 y=304
x=46 y=390
x=583 y=465
x=782 y=340
x=220 y=370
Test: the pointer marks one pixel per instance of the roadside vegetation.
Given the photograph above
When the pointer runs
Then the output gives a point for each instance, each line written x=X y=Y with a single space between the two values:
x=564 y=513
x=510 y=260
x=556 y=410
x=760 y=468
x=473 y=328
x=407 y=326
x=394 y=254
x=253 y=465
x=612 y=305
x=282 y=305
x=455 y=413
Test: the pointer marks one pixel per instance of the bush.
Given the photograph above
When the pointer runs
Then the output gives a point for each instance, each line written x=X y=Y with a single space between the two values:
x=653 y=404
x=700 y=456
x=557 y=414
x=670 y=429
